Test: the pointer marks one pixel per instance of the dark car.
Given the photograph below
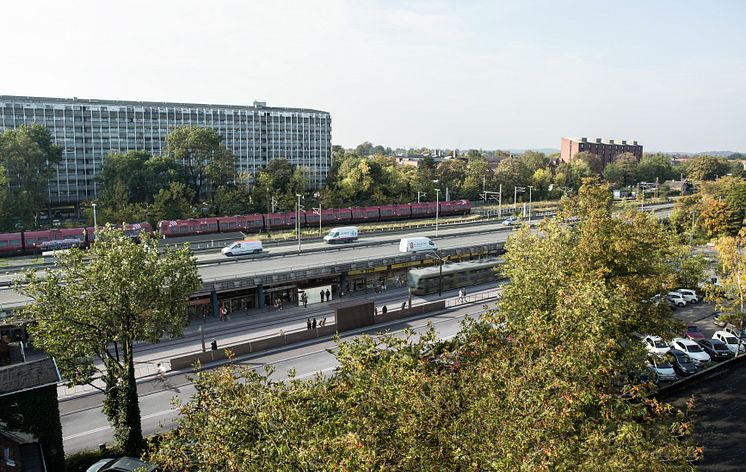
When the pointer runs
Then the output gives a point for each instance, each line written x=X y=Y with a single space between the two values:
x=682 y=363
x=717 y=349
x=122 y=464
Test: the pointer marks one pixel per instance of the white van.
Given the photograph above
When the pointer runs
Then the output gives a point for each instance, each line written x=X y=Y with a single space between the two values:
x=417 y=244
x=240 y=248
x=341 y=235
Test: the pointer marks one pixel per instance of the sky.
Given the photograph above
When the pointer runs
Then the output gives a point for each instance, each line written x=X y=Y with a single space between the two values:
x=438 y=74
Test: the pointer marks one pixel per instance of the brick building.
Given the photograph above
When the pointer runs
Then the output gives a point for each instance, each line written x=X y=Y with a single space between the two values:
x=607 y=150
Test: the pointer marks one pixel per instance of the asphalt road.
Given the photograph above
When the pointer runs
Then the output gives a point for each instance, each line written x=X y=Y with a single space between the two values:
x=84 y=425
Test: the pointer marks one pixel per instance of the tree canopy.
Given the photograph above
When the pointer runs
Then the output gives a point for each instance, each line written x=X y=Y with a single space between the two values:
x=119 y=291
x=546 y=382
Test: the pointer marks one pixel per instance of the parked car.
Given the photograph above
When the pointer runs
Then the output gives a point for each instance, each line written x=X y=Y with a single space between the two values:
x=662 y=369
x=729 y=340
x=738 y=333
x=655 y=345
x=692 y=332
x=681 y=362
x=689 y=295
x=676 y=298
x=122 y=464
x=718 y=350
x=699 y=356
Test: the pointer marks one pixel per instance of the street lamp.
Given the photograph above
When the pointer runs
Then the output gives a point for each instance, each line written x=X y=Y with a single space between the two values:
x=529 y=204
x=318 y=210
x=423 y=194
x=94 y=215
x=437 y=207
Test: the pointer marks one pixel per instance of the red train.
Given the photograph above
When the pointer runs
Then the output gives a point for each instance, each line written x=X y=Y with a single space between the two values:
x=36 y=241
x=330 y=217
x=30 y=242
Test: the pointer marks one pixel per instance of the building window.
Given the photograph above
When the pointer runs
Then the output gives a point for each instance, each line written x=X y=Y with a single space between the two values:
x=8 y=458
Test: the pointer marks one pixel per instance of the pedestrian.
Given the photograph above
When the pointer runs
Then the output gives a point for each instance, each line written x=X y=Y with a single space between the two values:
x=305 y=300
x=323 y=321
x=328 y=295
x=313 y=324
x=160 y=372
x=403 y=304
x=384 y=309
x=460 y=295
x=224 y=314
x=322 y=295
x=463 y=290
x=213 y=348
x=308 y=324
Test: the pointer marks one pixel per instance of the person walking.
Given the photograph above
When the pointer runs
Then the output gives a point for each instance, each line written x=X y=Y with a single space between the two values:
x=328 y=295
x=313 y=323
x=403 y=304
x=463 y=293
x=160 y=374
x=213 y=348
x=308 y=324
x=305 y=300
x=322 y=296
x=460 y=295
x=384 y=309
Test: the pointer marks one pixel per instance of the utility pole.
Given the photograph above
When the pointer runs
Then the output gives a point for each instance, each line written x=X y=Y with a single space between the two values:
x=529 y=203
x=297 y=220
x=423 y=194
x=500 y=203
x=437 y=209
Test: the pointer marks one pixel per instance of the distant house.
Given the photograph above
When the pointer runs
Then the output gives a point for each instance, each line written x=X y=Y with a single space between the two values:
x=30 y=428
x=680 y=186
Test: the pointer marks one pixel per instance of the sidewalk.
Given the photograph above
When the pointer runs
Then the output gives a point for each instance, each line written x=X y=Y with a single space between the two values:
x=240 y=327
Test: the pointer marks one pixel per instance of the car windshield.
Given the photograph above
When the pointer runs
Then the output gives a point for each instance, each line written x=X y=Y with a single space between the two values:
x=659 y=344
x=664 y=364
x=731 y=340
x=683 y=358
x=692 y=329
x=693 y=348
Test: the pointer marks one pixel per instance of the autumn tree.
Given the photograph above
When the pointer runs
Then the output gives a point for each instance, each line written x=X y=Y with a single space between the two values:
x=119 y=291
x=730 y=295
x=707 y=168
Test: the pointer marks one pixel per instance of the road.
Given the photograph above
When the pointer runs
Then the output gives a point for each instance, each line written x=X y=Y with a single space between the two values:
x=84 y=425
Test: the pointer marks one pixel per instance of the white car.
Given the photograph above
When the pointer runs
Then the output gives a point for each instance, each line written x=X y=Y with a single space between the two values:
x=689 y=295
x=677 y=299
x=730 y=340
x=662 y=368
x=656 y=345
x=693 y=349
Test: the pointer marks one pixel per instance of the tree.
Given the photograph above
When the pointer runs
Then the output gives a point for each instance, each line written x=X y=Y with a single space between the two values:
x=655 y=167
x=707 y=168
x=206 y=161
x=730 y=295
x=595 y=163
x=623 y=170
x=29 y=158
x=5 y=205
x=123 y=169
x=542 y=384
x=172 y=203
x=84 y=307
x=534 y=161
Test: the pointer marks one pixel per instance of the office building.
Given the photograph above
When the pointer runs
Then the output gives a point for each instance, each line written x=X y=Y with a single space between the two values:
x=88 y=130
x=607 y=150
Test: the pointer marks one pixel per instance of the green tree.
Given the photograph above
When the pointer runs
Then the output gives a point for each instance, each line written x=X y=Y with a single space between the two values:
x=82 y=309
x=730 y=295
x=595 y=163
x=655 y=167
x=707 y=168
x=6 y=211
x=173 y=203
x=123 y=169
x=512 y=173
x=534 y=161
x=537 y=385
x=623 y=171
x=29 y=157
x=207 y=163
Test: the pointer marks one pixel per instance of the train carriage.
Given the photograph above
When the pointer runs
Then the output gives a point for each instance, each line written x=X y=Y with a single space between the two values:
x=453 y=276
x=365 y=214
x=11 y=243
x=423 y=210
x=188 y=227
x=282 y=220
x=245 y=223
x=396 y=212
x=455 y=207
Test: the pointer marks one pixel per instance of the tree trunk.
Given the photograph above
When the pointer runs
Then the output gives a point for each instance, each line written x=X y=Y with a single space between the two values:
x=132 y=440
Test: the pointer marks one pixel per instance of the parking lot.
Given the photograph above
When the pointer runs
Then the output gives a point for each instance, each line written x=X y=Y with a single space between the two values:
x=700 y=314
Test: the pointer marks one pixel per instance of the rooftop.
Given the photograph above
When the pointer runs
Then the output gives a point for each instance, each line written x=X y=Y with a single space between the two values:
x=28 y=375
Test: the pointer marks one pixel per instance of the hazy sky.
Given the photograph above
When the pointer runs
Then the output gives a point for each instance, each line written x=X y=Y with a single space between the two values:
x=463 y=74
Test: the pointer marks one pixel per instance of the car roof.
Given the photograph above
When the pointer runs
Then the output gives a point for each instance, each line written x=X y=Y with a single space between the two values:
x=127 y=464
x=684 y=341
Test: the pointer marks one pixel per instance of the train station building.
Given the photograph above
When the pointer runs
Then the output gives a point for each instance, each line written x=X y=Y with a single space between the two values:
x=88 y=130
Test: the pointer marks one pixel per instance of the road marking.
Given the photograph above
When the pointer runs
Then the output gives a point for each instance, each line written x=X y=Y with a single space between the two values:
x=107 y=427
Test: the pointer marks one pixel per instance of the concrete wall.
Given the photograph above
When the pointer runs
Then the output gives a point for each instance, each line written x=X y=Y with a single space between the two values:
x=256 y=345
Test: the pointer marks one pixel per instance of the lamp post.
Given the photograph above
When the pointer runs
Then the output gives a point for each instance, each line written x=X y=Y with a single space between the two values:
x=94 y=215
x=318 y=195
x=530 y=188
x=437 y=210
